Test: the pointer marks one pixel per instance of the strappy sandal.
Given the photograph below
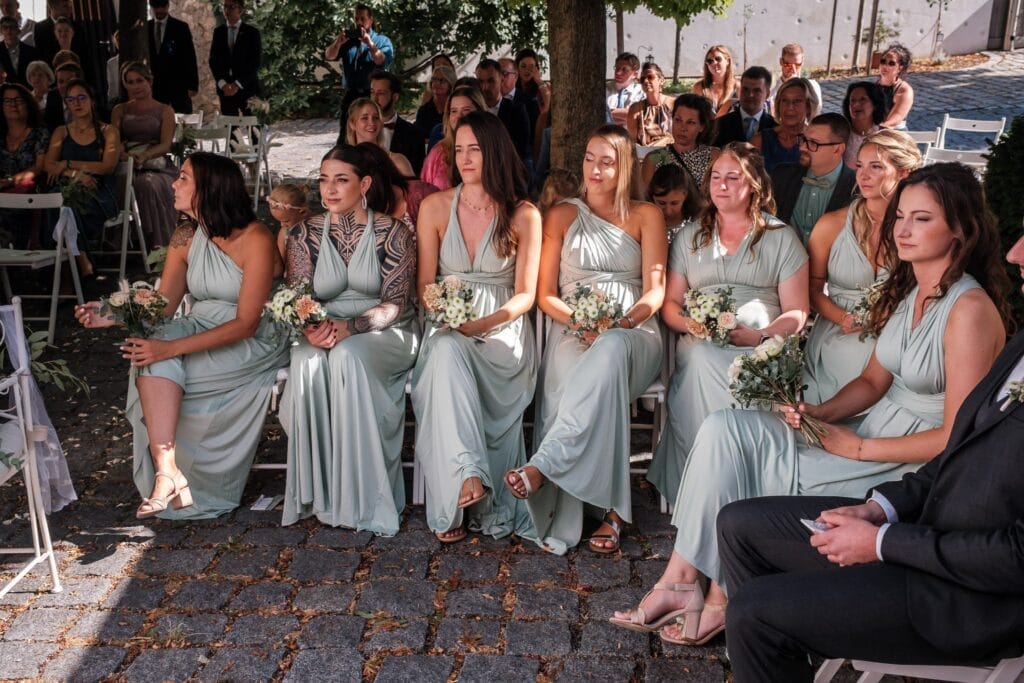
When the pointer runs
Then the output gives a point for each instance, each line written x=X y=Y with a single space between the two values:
x=179 y=497
x=452 y=535
x=475 y=499
x=637 y=620
x=520 y=474
x=613 y=537
x=690 y=624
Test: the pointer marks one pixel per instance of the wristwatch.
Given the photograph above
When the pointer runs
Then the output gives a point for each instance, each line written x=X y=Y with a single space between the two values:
x=763 y=339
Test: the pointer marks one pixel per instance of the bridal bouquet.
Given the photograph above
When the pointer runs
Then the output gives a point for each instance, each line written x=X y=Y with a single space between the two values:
x=773 y=373
x=137 y=306
x=713 y=313
x=592 y=310
x=860 y=311
x=296 y=307
x=449 y=302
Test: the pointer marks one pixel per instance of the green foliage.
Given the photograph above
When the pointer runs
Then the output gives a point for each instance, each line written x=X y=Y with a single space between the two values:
x=157 y=258
x=1004 y=177
x=884 y=33
x=681 y=11
x=10 y=460
x=54 y=372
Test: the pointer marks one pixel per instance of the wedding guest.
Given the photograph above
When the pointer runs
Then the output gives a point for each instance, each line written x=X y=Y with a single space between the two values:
x=864 y=108
x=365 y=124
x=22 y=159
x=288 y=206
x=795 y=105
x=649 y=121
x=396 y=134
x=791 y=65
x=172 y=57
x=56 y=112
x=693 y=129
x=897 y=93
x=718 y=84
x=431 y=111
x=624 y=90
x=15 y=55
x=560 y=184
x=236 y=51
x=673 y=191
x=750 y=115
x=437 y=166
x=40 y=77
x=407 y=192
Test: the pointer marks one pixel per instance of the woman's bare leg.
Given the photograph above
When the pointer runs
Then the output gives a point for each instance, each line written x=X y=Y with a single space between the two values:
x=161 y=407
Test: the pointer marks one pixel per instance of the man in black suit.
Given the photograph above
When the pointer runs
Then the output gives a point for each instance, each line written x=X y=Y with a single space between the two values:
x=398 y=135
x=820 y=182
x=512 y=114
x=56 y=113
x=930 y=570
x=172 y=57
x=46 y=41
x=749 y=115
x=235 y=54
x=15 y=54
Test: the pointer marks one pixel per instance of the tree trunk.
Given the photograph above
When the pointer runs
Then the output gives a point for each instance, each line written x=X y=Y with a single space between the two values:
x=577 y=50
x=132 y=36
x=620 y=32
x=675 y=57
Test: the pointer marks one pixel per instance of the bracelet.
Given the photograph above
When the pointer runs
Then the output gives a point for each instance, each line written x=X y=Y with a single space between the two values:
x=763 y=339
x=860 y=448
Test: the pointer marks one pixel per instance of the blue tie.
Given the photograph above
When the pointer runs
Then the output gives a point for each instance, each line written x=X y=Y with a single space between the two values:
x=750 y=127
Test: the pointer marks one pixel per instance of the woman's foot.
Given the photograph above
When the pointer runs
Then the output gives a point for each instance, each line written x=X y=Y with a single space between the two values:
x=452 y=535
x=523 y=481
x=661 y=606
x=473 y=492
x=606 y=539
x=168 y=489
x=711 y=623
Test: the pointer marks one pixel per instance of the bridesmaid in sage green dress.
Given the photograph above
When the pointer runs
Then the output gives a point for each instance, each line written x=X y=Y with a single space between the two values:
x=199 y=387
x=472 y=383
x=344 y=404
x=737 y=244
x=941 y=331
x=843 y=251
x=581 y=433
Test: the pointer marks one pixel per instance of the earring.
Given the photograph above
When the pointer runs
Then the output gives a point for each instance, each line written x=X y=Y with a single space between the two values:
x=364 y=202
x=323 y=203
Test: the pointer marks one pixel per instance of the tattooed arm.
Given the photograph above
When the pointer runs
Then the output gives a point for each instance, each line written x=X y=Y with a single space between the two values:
x=302 y=249
x=398 y=271
x=173 y=283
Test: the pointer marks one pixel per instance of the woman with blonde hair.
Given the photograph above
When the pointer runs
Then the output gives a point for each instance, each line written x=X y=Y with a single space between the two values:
x=365 y=124
x=795 y=104
x=718 y=83
x=435 y=96
x=616 y=245
x=437 y=167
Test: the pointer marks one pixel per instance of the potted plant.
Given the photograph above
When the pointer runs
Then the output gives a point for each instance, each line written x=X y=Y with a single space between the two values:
x=1004 y=176
x=884 y=35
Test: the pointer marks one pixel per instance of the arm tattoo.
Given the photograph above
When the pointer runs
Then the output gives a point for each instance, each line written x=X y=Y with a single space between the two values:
x=183 y=233
x=302 y=249
x=397 y=256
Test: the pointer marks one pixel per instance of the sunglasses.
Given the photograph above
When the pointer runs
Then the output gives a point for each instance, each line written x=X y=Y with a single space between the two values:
x=72 y=99
x=890 y=62
x=712 y=60
x=814 y=145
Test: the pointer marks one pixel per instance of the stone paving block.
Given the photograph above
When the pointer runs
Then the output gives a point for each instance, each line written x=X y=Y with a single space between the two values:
x=469 y=568
x=596 y=669
x=602 y=606
x=132 y=593
x=415 y=669
x=475 y=601
x=173 y=562
x=543 y=638
x=278 y=535
x=478 y=543
x=26 y=590
x=340 y=538
x=165 y=535
x=165 y=665
x=105 y=626
x=329 y=665
x=266 y=595
x=599 y=573
x=46 y=624
x=266 y=631
x=695 y=670
x=216 y=535
x=660 y=548
x=408 y=541
x=714 y=649
x=410 y=636
x=325 y=598
x=533 y=569
x=649 y=571
x=77 y=591
x=23 y=660
x=603 y=638
x=400 y=564
x=251 y=562
x=106 y=561
x=320 y=565
x=251 y=518
x=84 y=664
x=202 y=594
x=239 y=664
x=630 y=547
x=456 y=635
x=193 y=629
x=652 y=522
x=331 y=631
x=490 y=668
x=400 y=597
x=546 y=603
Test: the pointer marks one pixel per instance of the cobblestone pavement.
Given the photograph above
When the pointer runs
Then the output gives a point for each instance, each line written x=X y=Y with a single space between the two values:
x=241 y=598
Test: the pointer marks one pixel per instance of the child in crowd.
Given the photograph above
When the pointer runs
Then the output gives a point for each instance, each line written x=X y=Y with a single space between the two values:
x=288 y=207
x=673 y=190
x=560 y=184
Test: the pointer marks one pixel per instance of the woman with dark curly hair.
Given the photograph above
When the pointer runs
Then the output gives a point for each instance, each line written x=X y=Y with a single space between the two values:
x=693 y=129
x=864 y=108
x=899 y=96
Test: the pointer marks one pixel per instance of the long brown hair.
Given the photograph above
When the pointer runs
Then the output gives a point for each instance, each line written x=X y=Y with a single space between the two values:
x=976 y=248
x=728 y=79
x=761 y=199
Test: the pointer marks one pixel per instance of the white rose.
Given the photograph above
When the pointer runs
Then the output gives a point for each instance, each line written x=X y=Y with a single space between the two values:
x=760 y=354
x=770 y=347
x=727 y=320
x=733 y=373
x=118 y=299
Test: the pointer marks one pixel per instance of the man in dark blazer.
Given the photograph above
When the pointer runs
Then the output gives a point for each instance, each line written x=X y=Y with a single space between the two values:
x=56 y=113
x=512 y=114
x=46 y=41
x=15 y=54
x=398 y=135
x=172 y=57
x=949 y=586
x=820 y=182
x=235 y=54
x=749 y=115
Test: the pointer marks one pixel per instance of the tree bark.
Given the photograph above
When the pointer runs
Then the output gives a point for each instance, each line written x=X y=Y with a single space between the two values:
x=675 y=55
x=132 y=36
x=576 y=45
x=620 y=32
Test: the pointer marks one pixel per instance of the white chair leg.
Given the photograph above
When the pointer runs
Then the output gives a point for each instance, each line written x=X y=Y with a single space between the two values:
x=58 y=265
x=125 y=222
x=828 y=669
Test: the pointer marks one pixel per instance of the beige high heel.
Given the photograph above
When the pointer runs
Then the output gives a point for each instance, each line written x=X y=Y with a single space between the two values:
x=691 y=627
x=637 y=620
x=179 y=497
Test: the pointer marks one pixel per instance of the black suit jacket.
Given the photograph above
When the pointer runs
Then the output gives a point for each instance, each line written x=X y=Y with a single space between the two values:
x=174 y=66
x=408 y=140
x=787 y=181
x=47 y=46
x=517 y=122
x=53 y=115
x=730 y=127
x=26 y=55
x=961 y=526
x=241 y=64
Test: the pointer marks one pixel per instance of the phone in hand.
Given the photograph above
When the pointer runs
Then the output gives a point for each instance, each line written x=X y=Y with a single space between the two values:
x=815 y=527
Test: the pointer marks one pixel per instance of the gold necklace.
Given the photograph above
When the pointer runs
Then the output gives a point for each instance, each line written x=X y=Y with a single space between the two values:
x=478 y=209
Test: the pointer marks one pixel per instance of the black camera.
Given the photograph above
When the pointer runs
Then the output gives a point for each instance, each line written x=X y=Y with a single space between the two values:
x=354 y=33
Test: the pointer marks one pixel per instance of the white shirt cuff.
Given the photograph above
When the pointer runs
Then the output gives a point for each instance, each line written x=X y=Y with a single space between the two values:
x=890 y=512
x=221 y=83
x=878 y=541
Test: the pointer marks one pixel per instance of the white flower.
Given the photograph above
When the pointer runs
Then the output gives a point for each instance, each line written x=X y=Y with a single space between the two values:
x=733 y=373
x=118 y=298
x=775 y=345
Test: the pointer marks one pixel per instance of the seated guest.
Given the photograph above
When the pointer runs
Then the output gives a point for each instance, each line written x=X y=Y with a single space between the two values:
x=437 y=167
x=530 y=89
x=214 y=366
x=649 y=121
x=750 y=115
x=693 y=129
x=65 y=57
x=365 y=125
x=15 y=55
x=940 y=331
x=21 y=160
x=56 y=112
x=431 y=111
x=864 y=109
x=40 y=77
x=147 y=131
x=718 y=84
x=561 y=184
x=407 y=192
x=64 y=32
x=113 y=75
x=624 y=90
x=795 y=104
x=951 y=529
x=896 y=92
x=820 y=181
x=344 y=404
x=509 y=76
x=512 y=114
x=397 y=135
x=289 y=206
x=673 y=190
x=791 y=64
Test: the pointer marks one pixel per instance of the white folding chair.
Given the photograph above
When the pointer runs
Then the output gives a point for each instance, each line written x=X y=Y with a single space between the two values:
x=214 y=137
x=195 y=120
x=246 y=147
x=127 y=217
x=928 y=138
x=1006 y=671
x=35 y=259
x=18 y=437
x=995 y=127
x=971 y=159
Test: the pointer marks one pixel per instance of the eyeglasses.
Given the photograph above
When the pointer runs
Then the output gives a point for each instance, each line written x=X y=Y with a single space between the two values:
x=509 y=73
x=72 y=99
x=814 y=145
x=889 y=62
x=13 y=102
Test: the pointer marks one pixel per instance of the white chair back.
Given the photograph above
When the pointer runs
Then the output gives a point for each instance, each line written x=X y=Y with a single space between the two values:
x=127 y=217
x=993 y=127
x=927 y=138
x=972 y=159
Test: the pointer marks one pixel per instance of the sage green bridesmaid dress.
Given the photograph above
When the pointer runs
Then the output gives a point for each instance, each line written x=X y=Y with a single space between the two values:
x=469 y=395
x=226 y=390
x=699 y=384
x=742 y=454
x=833 y=358
x=344 y=408
x=582 y=419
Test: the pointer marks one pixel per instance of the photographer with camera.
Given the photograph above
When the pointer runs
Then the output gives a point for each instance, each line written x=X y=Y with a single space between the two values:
x=362 y=51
